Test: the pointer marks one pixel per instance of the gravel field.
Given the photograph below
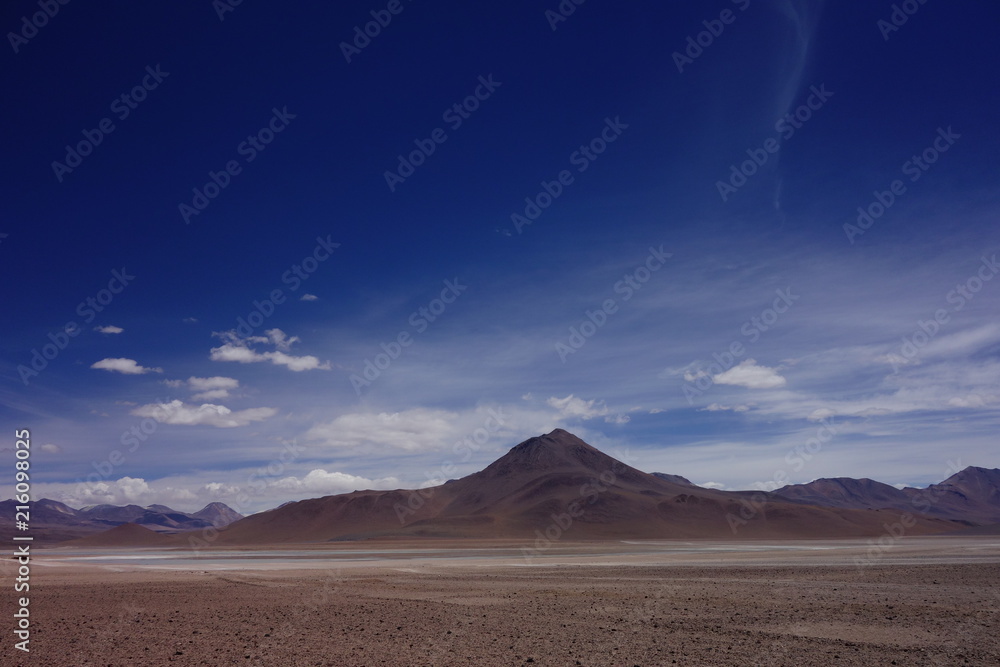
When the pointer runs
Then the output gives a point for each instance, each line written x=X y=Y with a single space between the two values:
x=929 y=602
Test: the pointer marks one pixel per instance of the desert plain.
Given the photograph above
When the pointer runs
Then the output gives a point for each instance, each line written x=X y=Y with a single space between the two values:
x=917 y=601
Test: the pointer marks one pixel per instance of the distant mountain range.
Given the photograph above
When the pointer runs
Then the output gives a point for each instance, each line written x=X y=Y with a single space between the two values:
x=53 y=521
x=971 y=496
x=547 y=488
x=556 y=486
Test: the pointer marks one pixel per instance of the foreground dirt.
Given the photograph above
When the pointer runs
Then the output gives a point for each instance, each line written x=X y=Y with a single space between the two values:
x=402 y=613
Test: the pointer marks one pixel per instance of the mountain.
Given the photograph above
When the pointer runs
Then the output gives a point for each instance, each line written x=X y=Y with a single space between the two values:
x=676 y=479
x=125 y=535
x=52 y=521
x=557 y=485
x=849 y=493
x=217 y=514
x=971 y=496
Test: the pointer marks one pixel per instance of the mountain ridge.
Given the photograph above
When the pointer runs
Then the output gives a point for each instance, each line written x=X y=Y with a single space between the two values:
x=557 y=479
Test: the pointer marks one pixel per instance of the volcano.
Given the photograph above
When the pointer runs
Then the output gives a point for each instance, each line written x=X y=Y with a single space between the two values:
x=559 y=480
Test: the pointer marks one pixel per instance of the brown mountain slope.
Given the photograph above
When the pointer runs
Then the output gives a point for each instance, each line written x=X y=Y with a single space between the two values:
x=125 y=535
x=971 y=496
x=558 y=484
x=849 y=493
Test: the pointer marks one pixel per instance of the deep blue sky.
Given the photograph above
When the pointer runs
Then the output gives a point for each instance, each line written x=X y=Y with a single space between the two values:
x=642 y=385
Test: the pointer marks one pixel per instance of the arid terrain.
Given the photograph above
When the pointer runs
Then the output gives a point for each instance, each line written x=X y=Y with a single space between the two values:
x=918 y=601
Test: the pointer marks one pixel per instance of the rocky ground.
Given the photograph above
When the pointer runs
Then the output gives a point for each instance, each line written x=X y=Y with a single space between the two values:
x=591 y=611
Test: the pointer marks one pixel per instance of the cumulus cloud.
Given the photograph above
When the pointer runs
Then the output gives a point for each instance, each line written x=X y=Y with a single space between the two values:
x=237 y=349
x=126 y=366
x=308 y=297
x=207 y=414
x=110 y=329
x=748 y=374
x=123 y=491
x=50 y=448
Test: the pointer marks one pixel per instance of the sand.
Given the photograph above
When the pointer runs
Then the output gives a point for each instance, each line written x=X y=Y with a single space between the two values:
x=920 y=601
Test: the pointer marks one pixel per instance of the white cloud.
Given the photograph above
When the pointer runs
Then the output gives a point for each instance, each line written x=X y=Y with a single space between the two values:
x=212 y=388
x=207 y=414
x=238 y=350
x=215 y=382
x=110 y=329
x=211 y=395
x=320 y=481
x=280 y=340
x=819 y=414
x=414 y=430
x=50 y=448
x=126 y=366
x=713 y=485
x=308 y=297
x=571 y=406
x=123 y=491
x=748 y=374
x=716 y=407
x=971 y=401
x=208 y=389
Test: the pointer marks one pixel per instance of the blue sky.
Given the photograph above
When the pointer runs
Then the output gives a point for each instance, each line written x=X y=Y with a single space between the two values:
x=746 y=242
